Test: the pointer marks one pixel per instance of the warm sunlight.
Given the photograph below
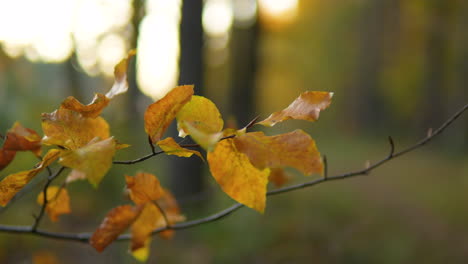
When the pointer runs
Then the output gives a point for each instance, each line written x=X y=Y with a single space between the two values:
x=278 y=10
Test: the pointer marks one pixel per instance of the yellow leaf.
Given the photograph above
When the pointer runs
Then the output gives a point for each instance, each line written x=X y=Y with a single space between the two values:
x=58 y=202
x=13 y=183
x=206 y=140
x=160 y=114
x=19 y=138
x=294 y=149
x=149 y=219
x=170 y=147
x=93 y=160
x=115 y=222
x=237 y=176
x=92 y=110
x=202 y=114
x=72 y=130
x=144 y=187
x=120 y=73
x=306 y=107
x=142 y=253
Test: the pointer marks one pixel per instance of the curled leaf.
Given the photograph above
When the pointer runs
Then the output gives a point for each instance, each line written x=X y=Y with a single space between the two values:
x=170 y=147
x=306 y=107
x=294 y=149
x=115 y=222
x=206 y=140
x=202 y=114
x=160 y=114
x=13 y=183
x=144 y=187
x=237 y=176
x=19 y=138
x=58 y=202
x=92 y=160
x=6 y=157
x=71 y=129
x=120 y=73
x=92 y=110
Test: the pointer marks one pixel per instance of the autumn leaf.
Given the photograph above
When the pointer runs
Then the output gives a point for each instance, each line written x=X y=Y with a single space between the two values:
x=294 y=149
x=169 y=205
x=170 y=147
x=206 y=140
x=306 y=107
x=149 y=219
x=58 y=202
x=45 y=257
x=279 y=177
x=237 y=176
x=160 y=114
x=19 y=138
x=72 y=130
x=92 y=110
x=115 y=222
x=143 y=188
x=120 y=73
x=142 y=253
x=202 y=114
x=92 y=160
x=6 y=156
x=13 y=183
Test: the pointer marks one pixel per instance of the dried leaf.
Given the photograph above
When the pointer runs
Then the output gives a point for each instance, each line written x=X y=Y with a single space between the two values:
x=6 y=156
x=92 y=110
x=202 y=114
x=237 y=176
x=160 y=114
x=120 y=73
x=13 y=183
x=72 y=130
x=58 y=202
x=115 y=222
x=94 y=159
x=294 y=149
x=279 y=177
x=19 y=138
x=143 y=188
x=170 y=147
x=306 y=107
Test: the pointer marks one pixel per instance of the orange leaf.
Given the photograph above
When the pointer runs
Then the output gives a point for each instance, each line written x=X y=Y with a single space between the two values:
x=294 y=149
x=6 y=156
x=19 y=138
x=237 y=176
x=144 y=187
x=58 y=202
x=306 y=107
x=279 y=177
x=171 y=147
x=120 y=73
x=92 y=110
x=13 y=183
x=93 y=160
x=71 y=129
x=202 y=114
x=115 y=222
x=160 y=114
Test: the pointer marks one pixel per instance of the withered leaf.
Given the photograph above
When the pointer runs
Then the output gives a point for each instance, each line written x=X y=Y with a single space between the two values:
x=115 y=222
x=170 y=147
x=6 y=157
x=306 y=107
x=92 y=110
x=279 y=177
x=58 y=202
x=19 y=138
x=237 y=176
x=120 y=73
x=161 y=113
x=143 y=188
x=202 y=114
x=294 y=149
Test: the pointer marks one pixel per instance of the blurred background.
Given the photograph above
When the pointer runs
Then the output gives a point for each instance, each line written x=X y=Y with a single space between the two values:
x=397 y=67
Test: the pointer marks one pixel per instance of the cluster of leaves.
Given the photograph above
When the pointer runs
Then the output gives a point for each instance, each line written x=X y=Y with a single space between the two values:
x=241 y=162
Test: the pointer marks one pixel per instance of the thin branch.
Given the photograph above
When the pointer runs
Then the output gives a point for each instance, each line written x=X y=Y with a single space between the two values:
x=129 y=162
x=84 y=237
x=325 y=167
x=150 y=142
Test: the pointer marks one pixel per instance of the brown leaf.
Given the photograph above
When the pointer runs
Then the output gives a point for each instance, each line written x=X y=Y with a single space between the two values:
x=72 y=130
x=202 y=114
x=160 y=114
x=13 y=183
x=294 y=149
x=93 y=160
x=19 y=138
x=58 y=202
x=306 y=107
x=92 y=110
x=279 y=177
x=237 y=176
x=120 y=73
x=170 y=147
x=143 y=188
x=6 y=156
x=115 y=222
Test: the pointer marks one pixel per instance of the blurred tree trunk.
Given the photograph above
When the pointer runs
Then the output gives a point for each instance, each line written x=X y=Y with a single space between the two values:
x=186 y=179
x=244 y=57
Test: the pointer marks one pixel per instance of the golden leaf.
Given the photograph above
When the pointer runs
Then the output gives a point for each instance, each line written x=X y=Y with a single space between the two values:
x=58 y=202
x=143 y=188
x=170 y=147
x=202 y=114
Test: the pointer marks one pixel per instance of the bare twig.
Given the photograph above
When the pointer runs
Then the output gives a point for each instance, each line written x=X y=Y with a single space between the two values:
x=84 y=237
x=325 y=167
x=150 y=142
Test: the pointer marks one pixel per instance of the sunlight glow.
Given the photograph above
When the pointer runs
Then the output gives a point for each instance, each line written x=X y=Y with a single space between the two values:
x=217 y=17
x=279 y=10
